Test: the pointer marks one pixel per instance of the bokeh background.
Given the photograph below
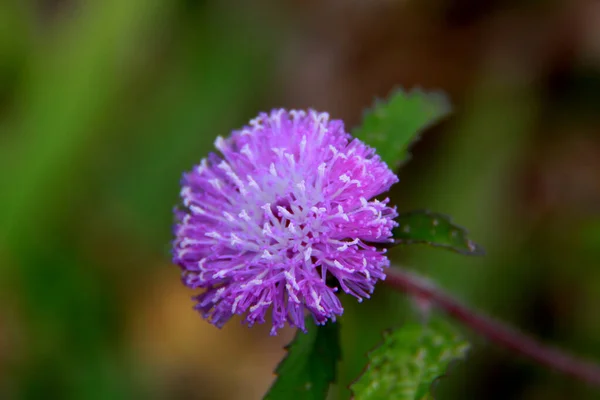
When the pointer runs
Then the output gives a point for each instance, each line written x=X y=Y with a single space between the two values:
x=103 y=104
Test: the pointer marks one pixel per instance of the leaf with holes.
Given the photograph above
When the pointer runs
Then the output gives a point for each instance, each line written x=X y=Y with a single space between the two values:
x=434 y=229
x=310 y=365
x=392 y=126
x=408 y=361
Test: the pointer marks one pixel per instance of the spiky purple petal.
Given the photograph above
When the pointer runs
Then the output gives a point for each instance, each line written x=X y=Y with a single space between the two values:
x=282 y=219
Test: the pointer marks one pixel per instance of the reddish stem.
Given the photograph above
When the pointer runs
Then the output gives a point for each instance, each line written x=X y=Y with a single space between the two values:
x=494 y=330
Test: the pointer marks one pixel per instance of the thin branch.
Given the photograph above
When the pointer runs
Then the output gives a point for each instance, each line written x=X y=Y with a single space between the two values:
x=496 y=331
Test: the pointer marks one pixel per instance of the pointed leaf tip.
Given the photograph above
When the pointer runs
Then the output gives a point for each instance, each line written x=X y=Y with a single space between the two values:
x=434 y=229
x=391 y=126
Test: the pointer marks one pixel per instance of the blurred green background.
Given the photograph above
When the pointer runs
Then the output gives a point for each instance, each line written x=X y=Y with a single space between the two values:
x=103 y=104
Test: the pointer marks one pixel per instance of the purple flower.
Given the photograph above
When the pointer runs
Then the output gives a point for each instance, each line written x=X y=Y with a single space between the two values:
x=282 y=220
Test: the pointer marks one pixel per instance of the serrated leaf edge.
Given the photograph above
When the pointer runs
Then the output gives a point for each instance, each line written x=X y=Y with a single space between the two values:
x=384 y=335
x=413 y=91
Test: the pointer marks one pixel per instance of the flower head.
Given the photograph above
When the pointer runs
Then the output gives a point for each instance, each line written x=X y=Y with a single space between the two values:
x=282 y=220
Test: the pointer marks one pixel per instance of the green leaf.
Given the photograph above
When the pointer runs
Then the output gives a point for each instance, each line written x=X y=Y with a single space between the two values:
x=392 y=126
x=434 y=229
x=310 y=365
x=408 y=361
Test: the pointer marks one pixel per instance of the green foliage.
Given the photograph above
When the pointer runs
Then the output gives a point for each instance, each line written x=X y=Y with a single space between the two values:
x=101 y=111
x=434 y=229
x=408 y=361
x=310 y=365
x=392 y=126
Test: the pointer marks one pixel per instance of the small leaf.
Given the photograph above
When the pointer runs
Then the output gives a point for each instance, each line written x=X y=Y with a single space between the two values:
x=310 y=365
x=409 y=361
x=434 y=229
x=392 y=126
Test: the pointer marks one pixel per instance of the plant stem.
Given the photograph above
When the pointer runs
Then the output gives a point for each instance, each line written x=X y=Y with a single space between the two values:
x=494 y=330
